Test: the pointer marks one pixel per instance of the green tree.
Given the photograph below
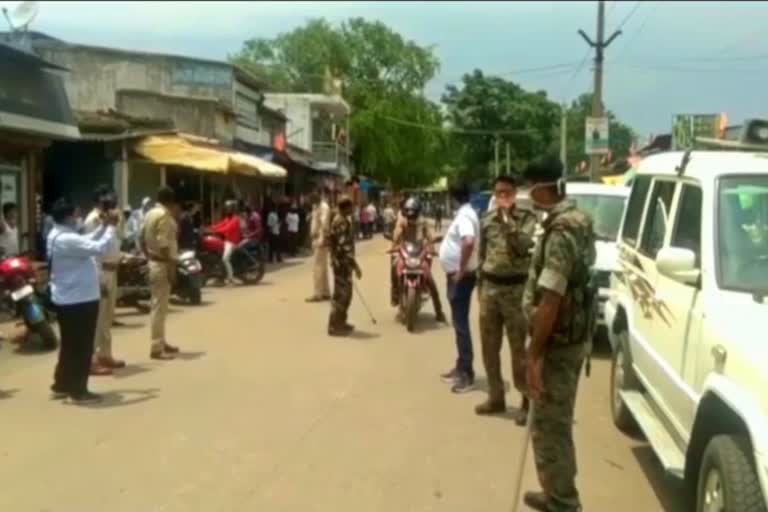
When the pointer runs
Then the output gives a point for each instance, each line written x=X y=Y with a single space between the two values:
x=621 y=136
x=524 y=119
x=383 y=76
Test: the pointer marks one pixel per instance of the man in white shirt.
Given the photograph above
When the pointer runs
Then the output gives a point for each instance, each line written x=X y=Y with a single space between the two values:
x=318 y=232
x=74 y=283
x=9 y=230
x=458 y=257
x=103 y=361
x=273 y=234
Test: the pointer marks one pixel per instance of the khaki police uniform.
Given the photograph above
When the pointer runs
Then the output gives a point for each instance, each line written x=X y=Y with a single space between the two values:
x=160 y=236
x=319 y=230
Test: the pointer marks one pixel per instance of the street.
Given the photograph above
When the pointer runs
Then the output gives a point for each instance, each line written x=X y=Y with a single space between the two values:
x=264 y=412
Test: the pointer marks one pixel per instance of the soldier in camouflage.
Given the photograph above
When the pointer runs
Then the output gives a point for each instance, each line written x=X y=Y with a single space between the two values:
x=342 y=247
x=506 y=241
x=557 y=301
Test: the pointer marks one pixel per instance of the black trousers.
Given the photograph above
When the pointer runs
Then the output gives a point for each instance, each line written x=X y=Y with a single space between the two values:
x=274 y=242
x=77 y=323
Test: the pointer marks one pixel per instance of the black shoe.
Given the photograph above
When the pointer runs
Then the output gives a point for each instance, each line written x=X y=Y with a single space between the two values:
x=57 y=394
x=463 y=384
x=440 y=318
x=491 y=407
x=536 y=501
x=450 y=376
x=85 y=398
x=521 y=418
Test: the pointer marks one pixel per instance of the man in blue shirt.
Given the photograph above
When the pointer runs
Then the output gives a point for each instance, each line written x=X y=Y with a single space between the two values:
x=75 y=291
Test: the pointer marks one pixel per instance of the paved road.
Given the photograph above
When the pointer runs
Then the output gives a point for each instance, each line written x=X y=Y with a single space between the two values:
x=264 y=412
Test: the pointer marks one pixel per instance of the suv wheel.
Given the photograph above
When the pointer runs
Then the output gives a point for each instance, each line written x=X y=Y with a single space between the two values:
x=728 y=481
x=623 y=378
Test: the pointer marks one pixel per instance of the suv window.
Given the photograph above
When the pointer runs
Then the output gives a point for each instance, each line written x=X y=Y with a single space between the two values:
x=657 y=221
x=687 y=233
x=635 y=209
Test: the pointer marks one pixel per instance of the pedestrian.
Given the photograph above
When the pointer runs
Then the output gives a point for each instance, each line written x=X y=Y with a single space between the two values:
x=74 y=288
x=438 y=217
x=292 y=225
x=556 y=299
x=273 y=236
x=342 y=249
x=372 y=217
x=254 y=229
x=458 y=257
x=105 y=203
x=159 y=242
x=318 y=232
x=389 y=217
x=9 y=230
x=229 y=229
x=187 y=228
x=504 y=256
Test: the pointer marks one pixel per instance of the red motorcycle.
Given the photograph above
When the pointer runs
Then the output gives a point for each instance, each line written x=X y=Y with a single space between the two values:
x=20 y=296
x=412 y=266
x=248 y=263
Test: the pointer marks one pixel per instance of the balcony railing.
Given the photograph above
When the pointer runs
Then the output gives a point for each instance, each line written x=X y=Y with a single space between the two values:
x=330 y=154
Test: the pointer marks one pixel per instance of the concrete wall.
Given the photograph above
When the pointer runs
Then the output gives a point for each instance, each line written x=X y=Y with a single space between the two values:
x=298 y=129
x=96 y=75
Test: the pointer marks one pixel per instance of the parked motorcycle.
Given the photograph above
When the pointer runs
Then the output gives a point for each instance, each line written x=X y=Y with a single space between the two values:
x=22 y=298
x=189 y=278
x=248 y=264
x=133 y=282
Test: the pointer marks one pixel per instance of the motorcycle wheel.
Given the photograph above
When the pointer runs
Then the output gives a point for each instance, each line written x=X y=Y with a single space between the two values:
x=255 y=274
x=48 y=338
x=411 y=309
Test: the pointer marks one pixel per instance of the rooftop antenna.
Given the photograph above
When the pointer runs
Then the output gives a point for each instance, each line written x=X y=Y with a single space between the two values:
x=21 y=17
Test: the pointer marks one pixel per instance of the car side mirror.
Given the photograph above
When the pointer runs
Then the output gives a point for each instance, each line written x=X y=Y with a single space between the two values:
x=678 y=264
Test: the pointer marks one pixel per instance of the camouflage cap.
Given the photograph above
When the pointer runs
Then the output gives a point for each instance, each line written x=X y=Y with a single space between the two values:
x=546 y=169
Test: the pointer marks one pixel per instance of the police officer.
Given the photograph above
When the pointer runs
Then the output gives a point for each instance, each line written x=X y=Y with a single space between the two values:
x=506 y=242
x=558 y=301
x=342 y=248
x=412 y=227
x=159 y=242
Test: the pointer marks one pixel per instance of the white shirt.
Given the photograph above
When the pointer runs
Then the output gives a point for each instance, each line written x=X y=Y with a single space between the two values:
x=91 y=224
x=371 y=213
x=464 y=224
x=273 y=222
x=9 y=240
x=292 y=220
x=74 y=275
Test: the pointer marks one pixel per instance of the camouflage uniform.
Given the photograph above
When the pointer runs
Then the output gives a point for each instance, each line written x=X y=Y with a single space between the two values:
x=505 y=257
x=342 y=246
x=562 y=261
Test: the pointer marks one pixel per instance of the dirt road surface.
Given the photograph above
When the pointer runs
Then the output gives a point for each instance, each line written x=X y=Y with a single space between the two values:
x=264 y=412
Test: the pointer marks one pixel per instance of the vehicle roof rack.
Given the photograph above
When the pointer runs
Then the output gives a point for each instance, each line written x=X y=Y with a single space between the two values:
x=753 y=137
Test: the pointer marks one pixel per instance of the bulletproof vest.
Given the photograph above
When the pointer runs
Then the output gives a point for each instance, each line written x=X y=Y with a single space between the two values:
x=576 y=318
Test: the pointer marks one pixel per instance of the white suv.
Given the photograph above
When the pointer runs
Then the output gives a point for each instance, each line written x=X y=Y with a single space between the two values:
x=687 y=313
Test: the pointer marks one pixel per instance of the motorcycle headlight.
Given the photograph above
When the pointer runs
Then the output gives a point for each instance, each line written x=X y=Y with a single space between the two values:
x=413 y=262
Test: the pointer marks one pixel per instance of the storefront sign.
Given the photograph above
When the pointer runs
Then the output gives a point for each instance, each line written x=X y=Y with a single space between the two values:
x=596 y=136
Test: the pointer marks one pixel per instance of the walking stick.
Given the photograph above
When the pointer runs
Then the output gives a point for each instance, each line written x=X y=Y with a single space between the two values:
x=365 y=305
x=523 y=457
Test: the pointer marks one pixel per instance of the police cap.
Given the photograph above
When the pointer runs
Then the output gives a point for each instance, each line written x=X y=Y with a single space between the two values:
x=547 y=169
x=344 y=200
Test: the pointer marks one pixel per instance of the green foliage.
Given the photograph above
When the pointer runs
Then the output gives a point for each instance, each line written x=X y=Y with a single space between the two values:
x=523 y=119
x=382 y=75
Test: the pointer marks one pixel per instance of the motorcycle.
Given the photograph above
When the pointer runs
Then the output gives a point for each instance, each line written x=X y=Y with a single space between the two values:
x=248 y=263
x=22 y=298
x=412 y=265
x=189 y=278
x=133 y=282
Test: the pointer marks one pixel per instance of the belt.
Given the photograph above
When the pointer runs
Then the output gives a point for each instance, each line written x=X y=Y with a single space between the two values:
x=504 y=280
x=109 y=267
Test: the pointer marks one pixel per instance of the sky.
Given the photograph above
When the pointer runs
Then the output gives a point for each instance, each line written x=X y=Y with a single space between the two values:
x=672 y=57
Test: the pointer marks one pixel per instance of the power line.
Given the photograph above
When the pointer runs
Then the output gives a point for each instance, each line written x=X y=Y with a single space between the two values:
x=692 y=70
x=459 y=131
x=633 y=37
x=538 y=69
x=629 y=16
x=576 y=71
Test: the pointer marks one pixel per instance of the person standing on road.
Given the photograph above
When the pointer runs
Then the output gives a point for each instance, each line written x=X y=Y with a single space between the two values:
x=273 y=234
x=342 y=248
x=105 y=203
x=557 y=302
x=318 y=232
x=458 y=257
x=159 y=242
x=506 y=240
x=9 y=230
x=74 y=285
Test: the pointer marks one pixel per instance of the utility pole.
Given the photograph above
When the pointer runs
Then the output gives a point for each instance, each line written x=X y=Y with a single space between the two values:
x=597 y=93
x=496 y=153
x=509 y=164
x=564 y=139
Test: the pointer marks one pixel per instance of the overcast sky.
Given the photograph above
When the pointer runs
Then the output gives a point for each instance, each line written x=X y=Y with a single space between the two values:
x=672 y=57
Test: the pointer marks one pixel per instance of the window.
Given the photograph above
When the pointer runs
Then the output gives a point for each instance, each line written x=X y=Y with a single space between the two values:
x=687 y=232
x=635 y=209
x=657 y=221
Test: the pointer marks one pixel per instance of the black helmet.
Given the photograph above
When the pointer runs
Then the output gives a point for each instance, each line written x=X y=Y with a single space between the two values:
x=412 y=208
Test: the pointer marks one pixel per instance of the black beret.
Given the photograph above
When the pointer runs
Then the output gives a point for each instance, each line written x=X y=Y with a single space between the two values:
x=546 y=169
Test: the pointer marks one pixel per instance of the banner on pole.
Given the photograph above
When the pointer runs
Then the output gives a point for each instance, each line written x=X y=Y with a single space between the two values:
x=596 y=135
x=686 y=127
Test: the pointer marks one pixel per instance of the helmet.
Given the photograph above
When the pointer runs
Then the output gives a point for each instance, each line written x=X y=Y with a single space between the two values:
x=412 y=208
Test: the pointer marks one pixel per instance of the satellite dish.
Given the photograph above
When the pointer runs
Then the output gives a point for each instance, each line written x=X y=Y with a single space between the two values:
x=24 y=13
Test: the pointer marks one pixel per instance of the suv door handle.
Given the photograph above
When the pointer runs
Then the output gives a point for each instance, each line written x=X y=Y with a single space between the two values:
x=720 y=354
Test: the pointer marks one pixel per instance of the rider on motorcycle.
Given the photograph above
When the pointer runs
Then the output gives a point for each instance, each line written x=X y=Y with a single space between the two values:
x=229 y=228
x=411 y=227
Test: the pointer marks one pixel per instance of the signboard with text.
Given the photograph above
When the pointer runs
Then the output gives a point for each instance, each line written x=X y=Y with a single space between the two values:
x=596 y=136
x=686 y=127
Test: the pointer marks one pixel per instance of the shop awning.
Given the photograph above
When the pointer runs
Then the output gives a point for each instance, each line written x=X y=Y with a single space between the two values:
x=207 y=157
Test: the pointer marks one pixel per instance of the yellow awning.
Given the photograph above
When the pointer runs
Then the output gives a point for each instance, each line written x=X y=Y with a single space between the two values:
x=207 y=157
